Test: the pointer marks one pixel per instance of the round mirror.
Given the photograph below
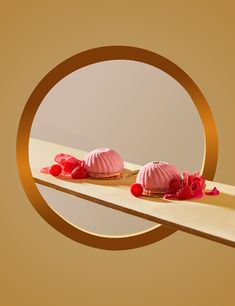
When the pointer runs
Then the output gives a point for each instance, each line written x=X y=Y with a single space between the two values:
x=130 y=105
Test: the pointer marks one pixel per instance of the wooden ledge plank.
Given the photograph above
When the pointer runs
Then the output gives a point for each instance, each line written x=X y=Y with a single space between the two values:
x=210 y=217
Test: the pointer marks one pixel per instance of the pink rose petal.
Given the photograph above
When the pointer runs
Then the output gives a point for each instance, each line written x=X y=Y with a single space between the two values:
x=62 y=157
x=170 y=196
x=213 y=192
x=185 y=178
x=45 y=170
x=198 y=194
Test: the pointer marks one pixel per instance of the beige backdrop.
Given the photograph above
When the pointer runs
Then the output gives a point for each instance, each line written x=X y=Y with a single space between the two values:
x=134 y=108
x=39 y=265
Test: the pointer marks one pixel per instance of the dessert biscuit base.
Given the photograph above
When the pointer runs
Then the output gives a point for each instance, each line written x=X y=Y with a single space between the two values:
x=113 y=177
x=155 y=193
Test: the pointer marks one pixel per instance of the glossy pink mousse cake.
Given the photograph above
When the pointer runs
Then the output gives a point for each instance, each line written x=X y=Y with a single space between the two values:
x=155 y=177
x=103 y=163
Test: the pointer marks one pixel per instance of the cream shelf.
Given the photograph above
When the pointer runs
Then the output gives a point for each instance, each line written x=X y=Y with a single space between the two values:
x=212 y=217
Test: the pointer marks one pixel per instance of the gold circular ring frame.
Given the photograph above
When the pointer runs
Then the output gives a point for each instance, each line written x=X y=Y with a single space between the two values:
x=50 y=80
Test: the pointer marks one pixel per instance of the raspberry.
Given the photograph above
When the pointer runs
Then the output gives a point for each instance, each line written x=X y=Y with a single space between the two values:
x=79 y=172
x=174 y=186
x=55 y=170
x=68 y=167
x=198 y=193
x=70 y=164
x=136 y=190
x=184 y=193
x=61 y=158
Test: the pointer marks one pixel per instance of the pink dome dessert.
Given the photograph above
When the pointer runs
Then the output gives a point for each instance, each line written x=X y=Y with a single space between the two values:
x=156 y=176
x=103 y=163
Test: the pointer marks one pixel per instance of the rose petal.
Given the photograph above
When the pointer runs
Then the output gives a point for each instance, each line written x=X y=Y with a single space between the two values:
x=45 y=170
x=190 y=179
x=169 y=196
x=198 y=179
x=185 y=178
x=203 y=183
x=197 y=194
x=196 y=185
x=62 y=157
x=213 y=192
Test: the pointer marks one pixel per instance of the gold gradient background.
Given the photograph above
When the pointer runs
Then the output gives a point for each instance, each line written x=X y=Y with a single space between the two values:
x=40 y=266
